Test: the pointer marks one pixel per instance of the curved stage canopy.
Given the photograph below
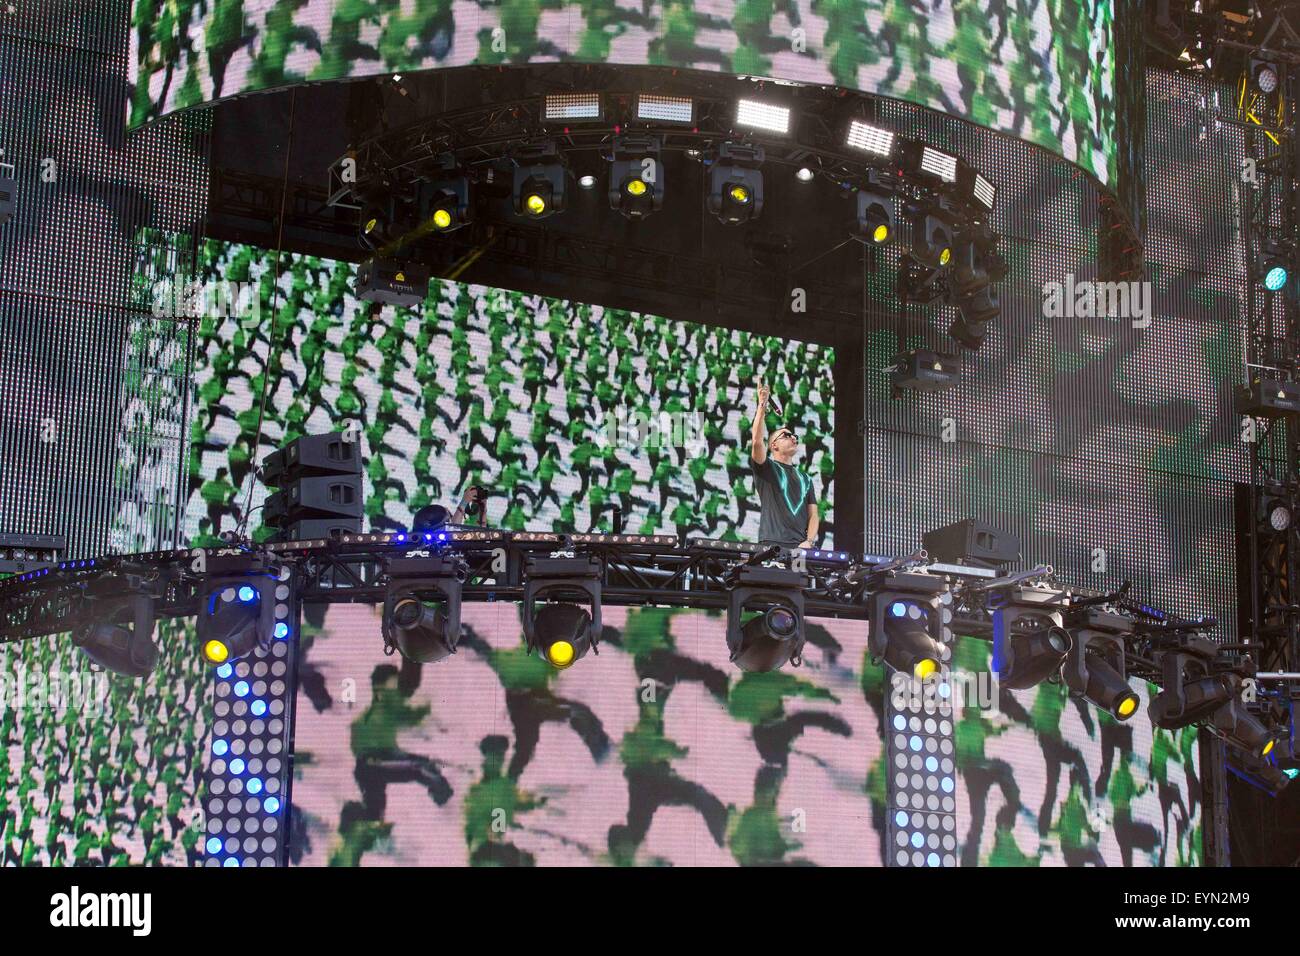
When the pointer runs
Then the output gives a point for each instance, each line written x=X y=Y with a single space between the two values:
x=1041 y=70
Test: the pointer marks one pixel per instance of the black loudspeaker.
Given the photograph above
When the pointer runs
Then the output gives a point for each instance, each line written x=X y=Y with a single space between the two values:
x=322 y=528
x=971 y=542
x=311 y=456
x=328 y=496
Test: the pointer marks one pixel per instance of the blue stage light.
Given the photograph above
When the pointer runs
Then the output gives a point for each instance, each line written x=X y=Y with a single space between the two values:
x=220 y=747
x=237 y=766
x=224 y=671
x=898 y=609
x=247 y=594
x=1275 y=278
x=258 y=708
x=271 y=805
x=281 y=630
x=231 y=861
x=900 y=818
x=214 y=845
x=241 y=688
x=254 y=786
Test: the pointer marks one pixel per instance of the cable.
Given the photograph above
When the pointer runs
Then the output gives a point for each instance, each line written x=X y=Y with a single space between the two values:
x=270 y=345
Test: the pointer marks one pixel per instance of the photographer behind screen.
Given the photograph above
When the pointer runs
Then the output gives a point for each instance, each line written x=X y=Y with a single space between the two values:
x=434 y=517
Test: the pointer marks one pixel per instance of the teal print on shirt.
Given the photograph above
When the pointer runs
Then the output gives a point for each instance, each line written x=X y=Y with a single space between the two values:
x=805 y=483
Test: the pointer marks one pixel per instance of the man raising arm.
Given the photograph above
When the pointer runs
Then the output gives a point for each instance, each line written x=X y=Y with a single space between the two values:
x=787 y=506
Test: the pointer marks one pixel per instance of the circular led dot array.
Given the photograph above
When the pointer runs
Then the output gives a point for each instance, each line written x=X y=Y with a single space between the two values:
x=248 y=771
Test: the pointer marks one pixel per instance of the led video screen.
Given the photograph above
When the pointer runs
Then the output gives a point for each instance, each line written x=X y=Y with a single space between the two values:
x=1045 y=779
x=97 y=769
x=561 y=411
x=1041 y=70
x=657 y=751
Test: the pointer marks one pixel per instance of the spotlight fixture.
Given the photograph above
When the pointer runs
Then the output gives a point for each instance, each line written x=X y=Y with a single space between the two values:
x=120 y=639
x=909 y=619
x=871 y=139
x=421 y=619
x=875 y=219
x=1189 y=693
x=917 y=284
x=932 y=235
x=444 y=199
x=923 y=370
x=1264 y=75
x=1268 y=397
x=1259 y=772
x=974 y=313
x=804 y=174
x=1276 y=508
x=975 y=265
x=562 y=631
x=1275 y=265
x=736 y=183
x=774 y=634
x=540 y=176
x=237 y=615
x=392 y=282
x=375 y=224
x=767 y=116
x=1094 y=668
x=1237 y=725
x=1029 y=642
x=636 y=177
x=587 y=181
x=651 y=107
x=571 y=108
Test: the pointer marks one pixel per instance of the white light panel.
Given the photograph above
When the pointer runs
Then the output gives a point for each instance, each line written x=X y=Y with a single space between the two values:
x=763 y=116
x=573 y=106
x=665 y=109
x=939 y=164
x=873 y=139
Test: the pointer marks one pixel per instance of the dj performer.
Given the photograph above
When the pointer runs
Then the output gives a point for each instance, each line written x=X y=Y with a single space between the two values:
x=787 y=506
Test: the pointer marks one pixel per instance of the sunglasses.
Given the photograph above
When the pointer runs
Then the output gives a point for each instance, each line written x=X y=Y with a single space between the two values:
x=784 y=434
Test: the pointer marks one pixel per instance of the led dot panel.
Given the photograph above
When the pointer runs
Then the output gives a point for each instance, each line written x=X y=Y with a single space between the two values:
x=93 y=387
x=763 y=116
x=573 y=106
x=246 y=793
x=665 y=109
x=873 y=139
x=921 y=825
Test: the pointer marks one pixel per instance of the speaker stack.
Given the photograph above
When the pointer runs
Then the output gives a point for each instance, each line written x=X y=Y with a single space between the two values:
x=319 y=494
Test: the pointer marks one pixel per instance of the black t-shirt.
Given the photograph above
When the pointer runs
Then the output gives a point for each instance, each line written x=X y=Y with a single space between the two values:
x=784 y=494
